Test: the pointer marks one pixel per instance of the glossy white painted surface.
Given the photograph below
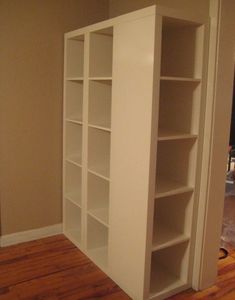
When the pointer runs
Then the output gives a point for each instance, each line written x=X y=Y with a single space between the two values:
x=130 y=151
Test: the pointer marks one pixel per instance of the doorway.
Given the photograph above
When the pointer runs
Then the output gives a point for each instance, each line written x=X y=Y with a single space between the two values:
x=228 y=225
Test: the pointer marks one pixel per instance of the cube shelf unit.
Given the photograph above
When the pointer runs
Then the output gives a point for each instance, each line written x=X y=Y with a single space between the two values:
x=87 y=135
x=133 y=122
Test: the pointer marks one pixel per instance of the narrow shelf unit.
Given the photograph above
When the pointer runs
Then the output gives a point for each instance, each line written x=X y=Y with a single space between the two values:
x=97 y=241
x=75 y=57
x=101 y=53
x=133 y=123
x=72 y=221
x=98 y=198
x=172 y=217
x=99 y=151
x=74 y=103
x=100 y=92
x=73 y=134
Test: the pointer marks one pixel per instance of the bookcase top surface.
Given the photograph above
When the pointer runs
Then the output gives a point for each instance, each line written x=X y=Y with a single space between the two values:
x=141 y=13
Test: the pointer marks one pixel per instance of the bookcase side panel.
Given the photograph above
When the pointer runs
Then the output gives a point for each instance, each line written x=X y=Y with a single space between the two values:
x=130 y=152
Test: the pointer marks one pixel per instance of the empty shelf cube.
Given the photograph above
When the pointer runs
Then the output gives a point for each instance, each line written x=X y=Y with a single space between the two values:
x=172 y=220
x=75 y=57
x=72 y=221
x=97 y=241
x=179 y=108
x=74 y=100
x=175 y=167
x=169 y=269
x=101 y=53
x=100 y=103
x=73 y=142
x=73 y=183
x=99 y=151
x=98 y=198
x=181 y=48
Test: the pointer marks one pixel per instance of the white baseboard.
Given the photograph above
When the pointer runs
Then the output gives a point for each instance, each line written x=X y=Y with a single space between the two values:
x=30 y=235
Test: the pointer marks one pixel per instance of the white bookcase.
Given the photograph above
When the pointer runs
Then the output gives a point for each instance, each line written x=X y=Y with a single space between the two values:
x=133 y=121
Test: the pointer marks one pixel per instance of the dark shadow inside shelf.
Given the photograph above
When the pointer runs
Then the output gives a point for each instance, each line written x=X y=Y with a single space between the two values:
x=74 y=100
x=179 y=107
x=179 y=44
x=73 y=220
x=101 y=53
x=75 y=57
x=175 y=165
x=172 y=219
x=169 y=268
x=100 y=103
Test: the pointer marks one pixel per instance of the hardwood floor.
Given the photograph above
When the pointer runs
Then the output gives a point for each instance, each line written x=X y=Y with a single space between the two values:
x=54 y=269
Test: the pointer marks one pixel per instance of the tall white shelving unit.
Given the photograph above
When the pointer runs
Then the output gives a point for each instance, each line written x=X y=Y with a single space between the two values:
x=133 y=97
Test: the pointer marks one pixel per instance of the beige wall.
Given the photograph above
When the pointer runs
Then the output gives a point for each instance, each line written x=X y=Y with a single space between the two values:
x=31 y=66
x=118 y=7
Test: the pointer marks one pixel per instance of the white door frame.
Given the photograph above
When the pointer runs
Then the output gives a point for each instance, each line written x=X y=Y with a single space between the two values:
x=216 y=137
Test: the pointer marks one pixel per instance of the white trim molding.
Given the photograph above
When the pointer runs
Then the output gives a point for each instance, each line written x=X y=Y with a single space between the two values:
x=30 y=235
x=215 y=150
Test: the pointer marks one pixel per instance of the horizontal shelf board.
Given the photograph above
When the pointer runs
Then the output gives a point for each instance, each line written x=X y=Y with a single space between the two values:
x=101 y=78
x=74 y=78
x=74 y=197
x=99 y=127
x=166 y=135
x=99 y=256
x=99 y=171
x=168 y=187
x=101 y=215
x=75 y=159
x=74 y=120
x=163 y=281
x=166 y=237
x=175 y=78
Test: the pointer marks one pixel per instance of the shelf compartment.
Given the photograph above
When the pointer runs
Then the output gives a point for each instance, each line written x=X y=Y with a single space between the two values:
x=73 y=183
x=97 y=241
x=179 y=108
x=75 y=57
x=169 y=269
x=72 y=221
x=73 y=137
x=100 y=103
x=99 y=151
x=181 y=48
x=176 y=164
x=74 y=100
x=98 y=198
x=172 y=220
x=101 y=53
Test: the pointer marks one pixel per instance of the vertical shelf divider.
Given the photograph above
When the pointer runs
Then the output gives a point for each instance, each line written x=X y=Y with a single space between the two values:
x=85 y=138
